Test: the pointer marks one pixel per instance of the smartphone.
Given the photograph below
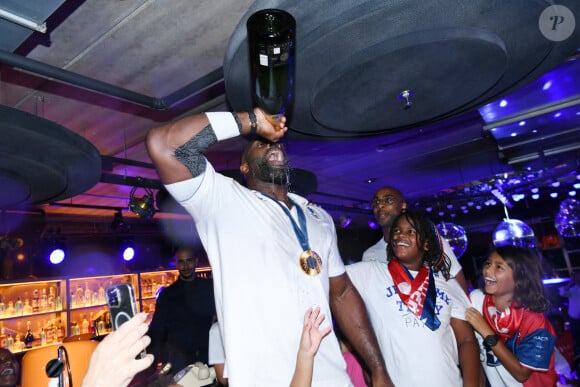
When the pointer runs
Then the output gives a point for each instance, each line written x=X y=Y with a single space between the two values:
x=122 y=305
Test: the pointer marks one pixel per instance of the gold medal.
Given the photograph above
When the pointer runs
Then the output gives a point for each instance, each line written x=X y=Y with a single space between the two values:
x=310 y=262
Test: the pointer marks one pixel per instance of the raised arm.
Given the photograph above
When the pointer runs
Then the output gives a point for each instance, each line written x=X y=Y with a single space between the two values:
x=351 y=315
x=194 y=134
x=310 y=340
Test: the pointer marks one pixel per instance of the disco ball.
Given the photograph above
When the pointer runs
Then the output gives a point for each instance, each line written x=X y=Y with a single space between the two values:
x=514 y=232
x=567 y=221
x=455 y=235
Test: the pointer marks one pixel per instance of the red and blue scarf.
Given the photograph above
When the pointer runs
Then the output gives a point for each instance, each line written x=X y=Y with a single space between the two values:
x=417 y=293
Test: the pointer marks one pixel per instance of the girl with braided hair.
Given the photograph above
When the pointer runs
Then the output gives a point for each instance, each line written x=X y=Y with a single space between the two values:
x=417 y=310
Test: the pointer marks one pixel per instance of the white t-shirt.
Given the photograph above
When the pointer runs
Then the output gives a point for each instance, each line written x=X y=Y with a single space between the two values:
x=414 y=354
x=378 y=252
x=261 y=292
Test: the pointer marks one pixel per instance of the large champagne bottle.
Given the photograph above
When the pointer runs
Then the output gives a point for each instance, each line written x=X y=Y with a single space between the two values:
x=271 y=40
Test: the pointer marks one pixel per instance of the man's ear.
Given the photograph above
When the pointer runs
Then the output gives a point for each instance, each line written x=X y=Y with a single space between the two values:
x=244 y=168
x=426 y=246
x=403 y=206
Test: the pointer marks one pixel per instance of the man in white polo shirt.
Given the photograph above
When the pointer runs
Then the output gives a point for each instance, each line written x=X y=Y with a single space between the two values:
x=273 y=254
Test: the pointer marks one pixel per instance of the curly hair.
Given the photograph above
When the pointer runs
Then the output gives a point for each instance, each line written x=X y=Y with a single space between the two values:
x=434 y=256
x=529 y=289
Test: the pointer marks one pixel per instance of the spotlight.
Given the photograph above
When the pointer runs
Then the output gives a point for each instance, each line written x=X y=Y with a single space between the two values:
x=128 y=253
x=57 y=256
x=142 y=206
x=128 y=250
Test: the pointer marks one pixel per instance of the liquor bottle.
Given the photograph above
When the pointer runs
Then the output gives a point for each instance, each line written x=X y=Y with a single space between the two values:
x=59 y=330
x=35 y=301
x=101 y=297
x=2 y=337
x=271 y=40
x=10 y=310
x=26 y=309
x=18 y=307
x=73 y=300
x=88 y=295
x=2 y=307
x=43 y=301
x=80 y=296
x=29 y=338
x=42 y=336
x=10 y=343
x=58 y=303
x=85 y=324
x=51 y=299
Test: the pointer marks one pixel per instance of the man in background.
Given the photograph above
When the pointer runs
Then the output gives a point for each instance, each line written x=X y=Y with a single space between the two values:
x=387 y=204
x=183 y=315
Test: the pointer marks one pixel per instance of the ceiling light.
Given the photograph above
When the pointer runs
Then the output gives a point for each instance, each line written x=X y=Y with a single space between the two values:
x=142 y=206
x=572 y=193
x=547 y=85
x=554 y=195
x=24 y=22
x=503 y=103
x=535 y=196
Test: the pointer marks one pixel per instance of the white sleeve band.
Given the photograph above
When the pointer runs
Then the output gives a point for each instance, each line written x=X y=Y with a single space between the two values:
x=223 y=124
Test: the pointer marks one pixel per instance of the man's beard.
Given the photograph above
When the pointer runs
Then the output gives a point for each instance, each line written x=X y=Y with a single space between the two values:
x=279 y=175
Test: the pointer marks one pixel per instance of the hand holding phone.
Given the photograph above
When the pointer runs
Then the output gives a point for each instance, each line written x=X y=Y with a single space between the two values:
x=122 y=305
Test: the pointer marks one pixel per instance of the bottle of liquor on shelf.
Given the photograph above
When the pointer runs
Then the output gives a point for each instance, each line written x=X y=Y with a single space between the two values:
x=51 y=299
x=58 y=303
x=18 y=307
x=73 y=300
x=59 y=330
x=2 y=307
x=85 y=324
x=10 y=311
x=42 y=336
x=29 y=338
x=43 y=301
x=75 y=329
x=2 y=337
x=92 y=324
x=88 y=295
x=80 y=296
x=10 y=343
x=26 y=309
x=49 y=332
x=101 y=296
x=18 y=345
x=35 y=301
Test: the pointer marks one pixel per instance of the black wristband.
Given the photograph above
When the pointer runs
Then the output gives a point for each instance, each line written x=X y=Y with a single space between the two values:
x=253 y=122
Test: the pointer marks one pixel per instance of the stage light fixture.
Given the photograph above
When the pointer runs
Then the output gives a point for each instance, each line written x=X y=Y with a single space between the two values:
x=142 y=206
x=128 y=253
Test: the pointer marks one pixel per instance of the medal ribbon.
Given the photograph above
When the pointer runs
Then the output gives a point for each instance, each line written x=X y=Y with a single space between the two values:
x=420 y=299
x=504 y=323
x=301 y=229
